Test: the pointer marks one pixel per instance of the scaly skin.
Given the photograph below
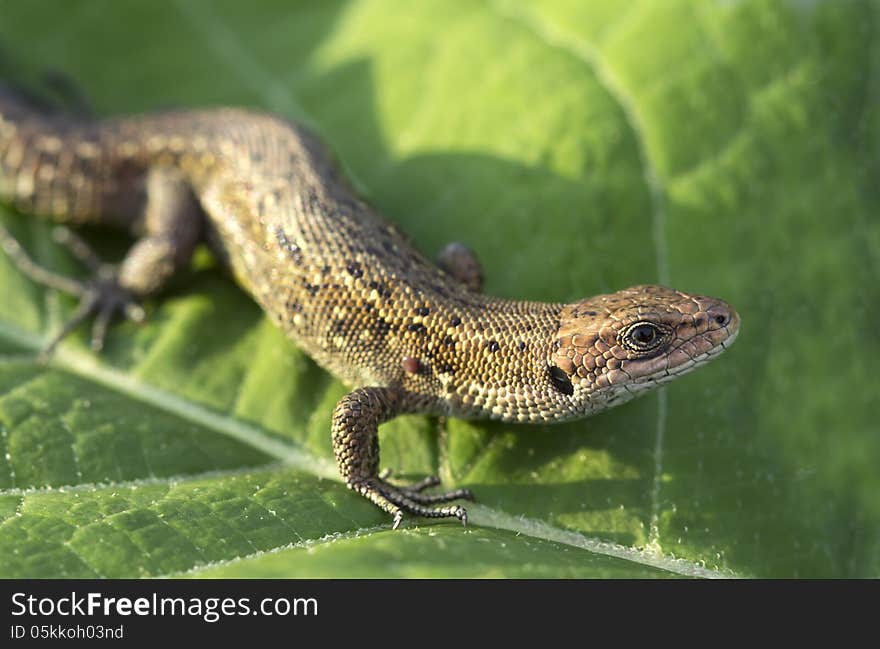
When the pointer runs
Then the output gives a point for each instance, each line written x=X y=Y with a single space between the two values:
x=342 y=282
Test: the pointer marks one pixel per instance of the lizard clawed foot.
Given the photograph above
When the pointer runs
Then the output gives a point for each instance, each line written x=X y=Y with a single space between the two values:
x=396 y=499
x=100 y=296
x=421 y=485
x=414 y=491
x=103 y=298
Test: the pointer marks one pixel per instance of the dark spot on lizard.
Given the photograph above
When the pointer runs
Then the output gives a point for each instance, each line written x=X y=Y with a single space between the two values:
x=417 y=328
x=380 y=288
x=422 y=310
x=292 y=249
x=313 y=200
x=312 y=289
x=449 y=341
x=380 y=328
x=521 y=346
x=560 y=380
x=493 y=346
x=455 y=321
x=354 y=269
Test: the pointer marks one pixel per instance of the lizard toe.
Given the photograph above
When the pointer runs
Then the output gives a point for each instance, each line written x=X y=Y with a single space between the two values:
x=419 y=504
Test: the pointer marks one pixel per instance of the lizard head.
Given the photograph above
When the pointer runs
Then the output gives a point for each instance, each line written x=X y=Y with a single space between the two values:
x=609 y=348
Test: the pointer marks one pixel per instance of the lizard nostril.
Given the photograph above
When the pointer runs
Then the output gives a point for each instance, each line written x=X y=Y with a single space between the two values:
x=722 y=319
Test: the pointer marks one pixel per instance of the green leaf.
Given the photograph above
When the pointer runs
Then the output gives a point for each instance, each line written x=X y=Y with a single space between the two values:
x=729 y=148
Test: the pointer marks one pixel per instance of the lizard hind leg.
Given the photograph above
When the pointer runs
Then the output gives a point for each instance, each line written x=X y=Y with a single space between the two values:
x=356 y=421
x=172 y=224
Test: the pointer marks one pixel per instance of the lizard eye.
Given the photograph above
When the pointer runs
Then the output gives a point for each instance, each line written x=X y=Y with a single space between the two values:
x=643 y=334
x=642 y=337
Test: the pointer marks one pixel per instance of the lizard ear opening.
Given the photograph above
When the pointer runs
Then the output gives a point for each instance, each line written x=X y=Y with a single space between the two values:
x=560 y=380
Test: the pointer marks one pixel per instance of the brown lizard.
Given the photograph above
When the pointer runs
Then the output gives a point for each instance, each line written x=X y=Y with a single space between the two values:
x=343 y=283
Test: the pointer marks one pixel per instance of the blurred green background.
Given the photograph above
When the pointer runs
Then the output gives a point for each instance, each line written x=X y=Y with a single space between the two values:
x=729 y=148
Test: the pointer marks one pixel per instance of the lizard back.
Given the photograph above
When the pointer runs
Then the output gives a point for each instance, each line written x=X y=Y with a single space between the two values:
x=343 y=282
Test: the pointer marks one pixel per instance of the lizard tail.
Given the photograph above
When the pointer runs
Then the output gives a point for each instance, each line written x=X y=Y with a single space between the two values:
x=21 y=120
x=51 y=163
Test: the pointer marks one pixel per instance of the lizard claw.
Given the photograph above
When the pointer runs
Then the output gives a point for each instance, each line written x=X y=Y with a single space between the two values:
x=100 y=296
x=103 y=298
x=112 y=300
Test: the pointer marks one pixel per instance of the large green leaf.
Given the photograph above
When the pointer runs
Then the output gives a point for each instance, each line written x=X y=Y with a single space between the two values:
x=731 y=148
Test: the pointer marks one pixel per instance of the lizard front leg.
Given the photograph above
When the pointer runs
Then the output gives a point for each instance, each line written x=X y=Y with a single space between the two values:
x=356 y=421
x=172 y=225
x=462 y=264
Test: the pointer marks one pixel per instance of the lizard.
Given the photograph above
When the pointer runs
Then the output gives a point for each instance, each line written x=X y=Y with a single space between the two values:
x=342 y=282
